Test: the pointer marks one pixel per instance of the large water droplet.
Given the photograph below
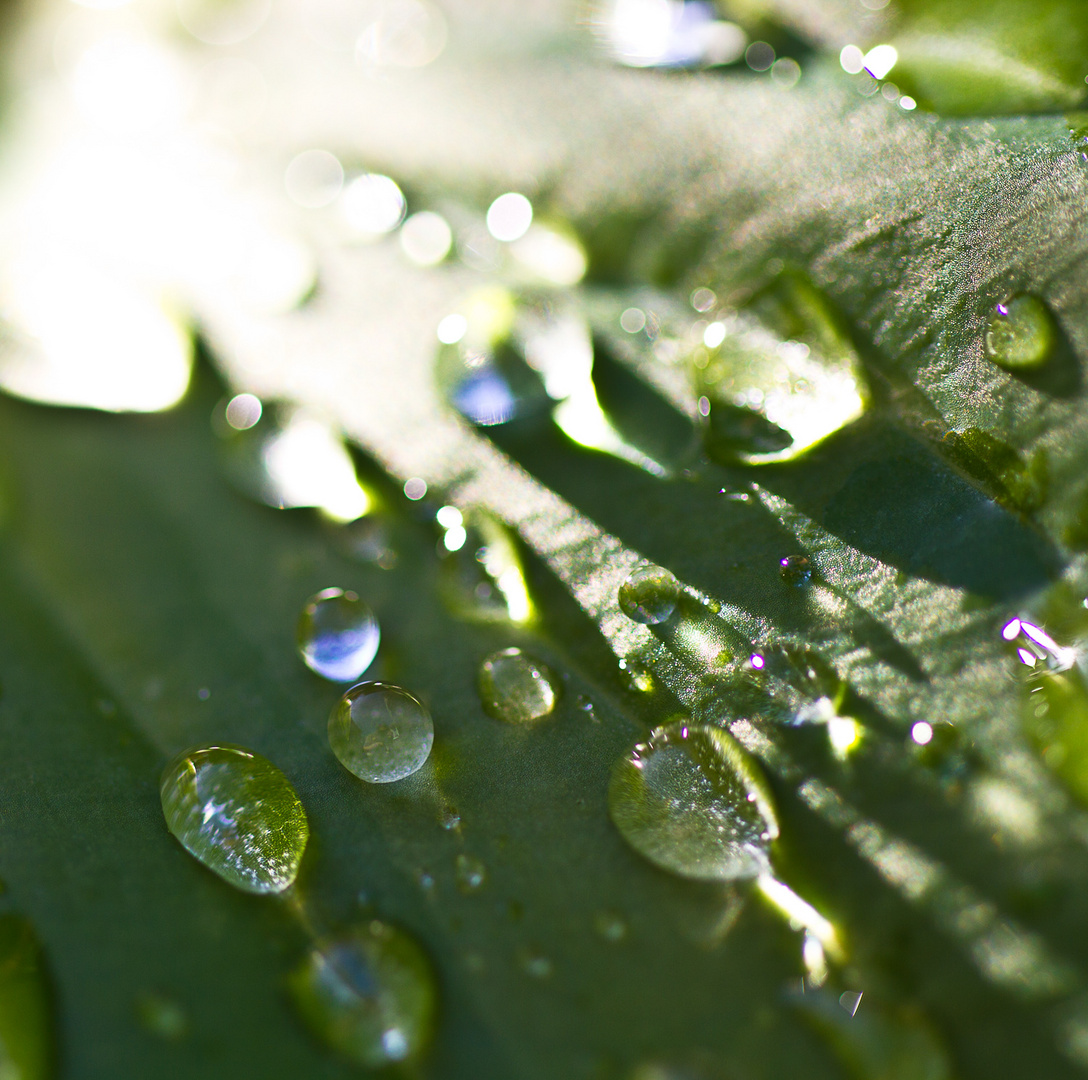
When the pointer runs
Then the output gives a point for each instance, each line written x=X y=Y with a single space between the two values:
x=649 y=595
x=287 y=457
x=691 y=801
x=370 y=995
x=481 y=573
x=380 y=732
x=338 y=635
x=1055 y=701
x=516 y=688
x=238 y=814
x=774 y=386
x=1020 y=334
x=26 y=1043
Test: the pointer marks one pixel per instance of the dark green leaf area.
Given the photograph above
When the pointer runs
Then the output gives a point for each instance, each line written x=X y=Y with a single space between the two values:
x=141 y=579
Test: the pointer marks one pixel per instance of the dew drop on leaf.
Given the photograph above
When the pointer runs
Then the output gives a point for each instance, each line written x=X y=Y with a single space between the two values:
x=1020 y=334
x=469 y=873
x=26 y=1042
x=369 y=994
x=516 y=688
x=795 y=570
x=238 y=814
x=649 y=595
x=692 y=801
x=337 y=635
x=380 y=732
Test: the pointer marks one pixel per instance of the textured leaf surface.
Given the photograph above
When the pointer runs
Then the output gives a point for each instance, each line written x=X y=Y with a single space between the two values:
x=149 y=608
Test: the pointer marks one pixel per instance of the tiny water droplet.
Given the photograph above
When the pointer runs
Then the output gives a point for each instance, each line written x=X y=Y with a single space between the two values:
x=449 y=818
x=425 y=880
x=610 y=925
x=534 y=963
x=691 y=801
x=369 y=994
x=238 y=814
x=649 y=595
x=585 y=705
x=469 y=873
x=337 y=635
x=162 y=1016
x=1021 y=333
x=795 y=570
x=516 y=688
x=380 y=732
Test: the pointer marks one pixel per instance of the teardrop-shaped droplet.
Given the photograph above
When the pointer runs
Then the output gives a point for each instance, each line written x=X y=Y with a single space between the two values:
x=691 y=801
x=238 y=814
x=287 y=457
x=1020 y=334
x=779 y=379
x=516 y=688
x=369 y=994
x=649 y=595
x=380 y=732
x=338 y=635
x=26 y=1037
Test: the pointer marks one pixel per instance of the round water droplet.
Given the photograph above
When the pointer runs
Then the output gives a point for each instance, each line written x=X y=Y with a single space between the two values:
x=338 y=635
x=649 y=595
x=238 y=814
x=369 y=994
x=1020 y=333
x=380 y=732
x=470 y=873
x=516 y=688
x=691 y=801
x=795 y=570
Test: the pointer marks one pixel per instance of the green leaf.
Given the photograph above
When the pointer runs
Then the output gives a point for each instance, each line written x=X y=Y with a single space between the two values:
x=929 y=864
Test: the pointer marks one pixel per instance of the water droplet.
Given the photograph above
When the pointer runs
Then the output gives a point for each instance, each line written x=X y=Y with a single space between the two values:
x=481 y=573
x=369 y=994
x=778 y=379
x=367 y=540
x=691 y=801
x=610 y=925
x=649 y=595
x=449 y=818
x=1020 y=334
x=337 y=635
x=380 y=732
x=1054 y=701
x=795 y=570
x=287 y=457
x=162 y=1016
x=238 y=814
x=26 y=1042
x=469 y=873
x=516 y=688
x=534 y=963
